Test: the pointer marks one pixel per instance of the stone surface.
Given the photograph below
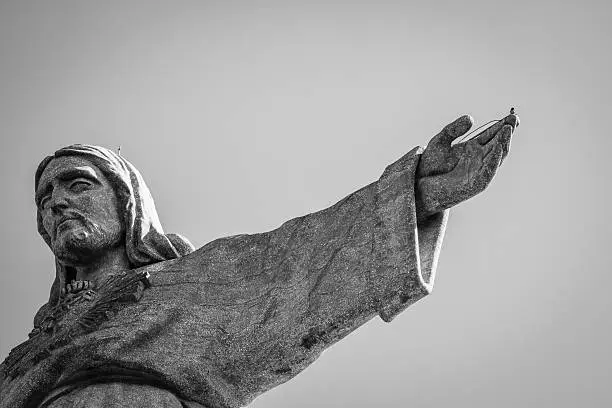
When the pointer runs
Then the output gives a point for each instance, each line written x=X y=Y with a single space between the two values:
x=449 y=174
x=136 y=317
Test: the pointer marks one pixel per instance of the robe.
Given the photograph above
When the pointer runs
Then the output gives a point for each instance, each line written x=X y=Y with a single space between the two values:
x=237 y=317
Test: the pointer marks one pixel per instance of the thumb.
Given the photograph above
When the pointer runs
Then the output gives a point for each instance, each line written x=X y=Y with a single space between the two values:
x=453 y=130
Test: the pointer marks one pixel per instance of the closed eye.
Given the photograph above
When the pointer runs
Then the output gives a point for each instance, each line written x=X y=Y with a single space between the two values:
x=79 y=186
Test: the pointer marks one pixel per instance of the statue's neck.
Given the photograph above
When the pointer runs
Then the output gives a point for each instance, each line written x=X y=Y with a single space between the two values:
x=113 y=261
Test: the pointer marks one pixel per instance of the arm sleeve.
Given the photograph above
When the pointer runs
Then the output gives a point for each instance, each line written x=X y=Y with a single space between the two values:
x=277 y=299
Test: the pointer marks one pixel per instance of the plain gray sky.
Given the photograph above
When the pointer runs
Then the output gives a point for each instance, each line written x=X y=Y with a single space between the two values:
x=242 y=115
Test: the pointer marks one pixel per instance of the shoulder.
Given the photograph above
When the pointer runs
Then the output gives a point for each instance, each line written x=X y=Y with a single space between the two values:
x=41 y=314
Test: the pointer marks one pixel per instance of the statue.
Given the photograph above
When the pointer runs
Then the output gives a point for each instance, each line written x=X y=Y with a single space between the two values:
x=137 y=317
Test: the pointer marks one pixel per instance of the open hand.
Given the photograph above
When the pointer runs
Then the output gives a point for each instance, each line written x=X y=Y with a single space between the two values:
x=449 y=174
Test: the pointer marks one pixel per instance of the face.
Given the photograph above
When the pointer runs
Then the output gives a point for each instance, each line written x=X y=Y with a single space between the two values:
x=78 y=206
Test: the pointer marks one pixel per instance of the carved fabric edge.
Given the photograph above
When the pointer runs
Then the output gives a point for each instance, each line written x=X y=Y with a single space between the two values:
x=424 y=240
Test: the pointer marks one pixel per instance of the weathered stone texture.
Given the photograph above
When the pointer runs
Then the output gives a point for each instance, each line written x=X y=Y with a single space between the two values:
x=242 y=314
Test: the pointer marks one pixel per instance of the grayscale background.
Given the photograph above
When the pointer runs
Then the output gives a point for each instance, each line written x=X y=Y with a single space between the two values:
x=242 y=115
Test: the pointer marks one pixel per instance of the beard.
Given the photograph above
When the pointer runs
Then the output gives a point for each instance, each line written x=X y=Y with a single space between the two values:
x=84 y=241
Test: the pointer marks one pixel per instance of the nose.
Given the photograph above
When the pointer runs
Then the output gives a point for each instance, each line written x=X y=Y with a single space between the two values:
x=58 y=202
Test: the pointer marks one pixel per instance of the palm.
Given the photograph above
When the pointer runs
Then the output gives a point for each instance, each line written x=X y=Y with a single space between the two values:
x=449 y=174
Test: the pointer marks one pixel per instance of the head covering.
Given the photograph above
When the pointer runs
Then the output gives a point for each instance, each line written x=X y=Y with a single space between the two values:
x=145 y=240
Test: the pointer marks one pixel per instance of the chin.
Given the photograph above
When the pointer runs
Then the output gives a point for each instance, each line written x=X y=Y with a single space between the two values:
x=80 y=246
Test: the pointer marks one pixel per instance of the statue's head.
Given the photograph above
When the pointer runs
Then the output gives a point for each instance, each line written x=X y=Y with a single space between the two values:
x=90 y=201
x=78 y=211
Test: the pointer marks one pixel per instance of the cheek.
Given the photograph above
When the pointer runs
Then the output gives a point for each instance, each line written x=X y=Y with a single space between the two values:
x=102 y=209
x=88 y=205
x=47 y=222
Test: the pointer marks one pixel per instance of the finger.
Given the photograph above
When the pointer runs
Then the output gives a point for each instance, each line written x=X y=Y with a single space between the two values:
x=504 y=133
x=486 y=135
x=505 y=139
x=452 y=131
x=512 y=120
x=489 y=167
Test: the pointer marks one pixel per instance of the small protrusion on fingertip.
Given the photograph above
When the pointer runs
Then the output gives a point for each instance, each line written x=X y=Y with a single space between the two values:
x=514 y=120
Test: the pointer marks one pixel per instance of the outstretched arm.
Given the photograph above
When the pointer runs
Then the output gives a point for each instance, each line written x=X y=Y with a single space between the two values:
x=263 y=307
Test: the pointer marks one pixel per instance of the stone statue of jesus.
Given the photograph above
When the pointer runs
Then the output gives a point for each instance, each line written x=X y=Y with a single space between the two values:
x=137 y=317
